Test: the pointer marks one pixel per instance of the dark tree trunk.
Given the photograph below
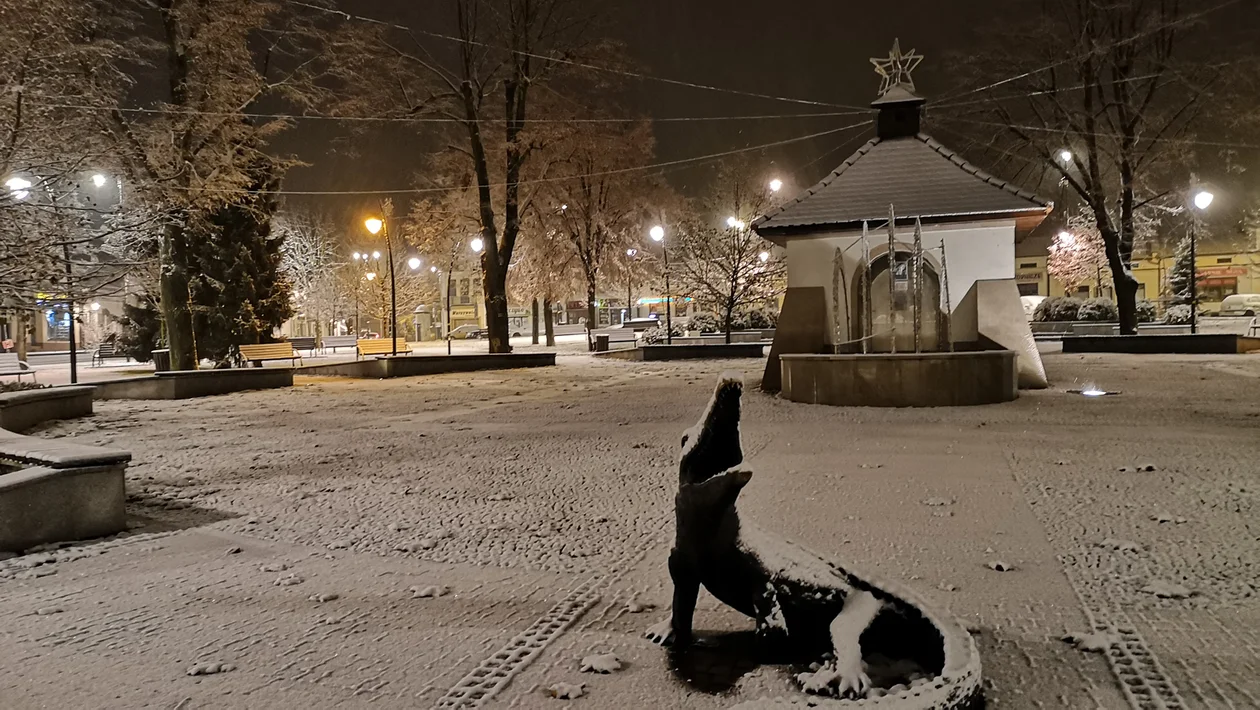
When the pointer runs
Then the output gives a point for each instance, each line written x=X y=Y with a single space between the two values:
x=590 y=314
x=548 y=325
x=534 y=322
x=729 y=310
x=176 y=311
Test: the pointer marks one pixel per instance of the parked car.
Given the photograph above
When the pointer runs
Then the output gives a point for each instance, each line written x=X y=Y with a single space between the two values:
x=1241 y=304
x=468 y=332
x=1030 y=305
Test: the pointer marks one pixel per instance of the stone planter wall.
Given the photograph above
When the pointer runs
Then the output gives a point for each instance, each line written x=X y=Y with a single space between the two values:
x=418 y=365
x=61 y=490
x=196 y=383
x=662 y=353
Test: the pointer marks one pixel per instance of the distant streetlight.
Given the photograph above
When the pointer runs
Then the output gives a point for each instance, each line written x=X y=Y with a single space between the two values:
x=355 y=256
x=378 y=226
x=1067 y=239
x=433 y=269
x=96 y=306
x=776 y=185
x=476 y=244
x=99 y=180
x=658 y=235
x=414 y=263
x=370 y=276
x=1065 y=155
x=1203 y=199
x=764 y=256
x=18 y=187
x=735 y=223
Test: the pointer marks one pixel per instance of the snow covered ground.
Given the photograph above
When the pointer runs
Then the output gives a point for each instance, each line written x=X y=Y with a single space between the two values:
x=463 y=539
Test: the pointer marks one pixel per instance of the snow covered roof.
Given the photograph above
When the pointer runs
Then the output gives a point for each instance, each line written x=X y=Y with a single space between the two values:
x=917 y=175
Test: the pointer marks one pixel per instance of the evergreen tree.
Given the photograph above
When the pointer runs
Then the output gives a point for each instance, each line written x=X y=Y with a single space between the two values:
x=240 y=292
x=1180 y=274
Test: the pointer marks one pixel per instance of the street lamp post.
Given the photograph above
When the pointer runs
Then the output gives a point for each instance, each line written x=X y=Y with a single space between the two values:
x=374 y=226
x=629 y=282
x=1202 y=200
x=658 y=235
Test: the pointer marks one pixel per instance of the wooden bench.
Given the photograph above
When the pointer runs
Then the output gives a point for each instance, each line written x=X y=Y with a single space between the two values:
x=303 y=343
x=11 y=365
x=332 y=342
x=257 y=354
x=106 y=350
x=381 y=346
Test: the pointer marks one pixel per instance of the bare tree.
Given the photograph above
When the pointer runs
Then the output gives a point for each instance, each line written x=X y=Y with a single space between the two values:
x=1103 y=98
x=506 y=53
x=597 y=208
x=311 y=262
x=724 y=264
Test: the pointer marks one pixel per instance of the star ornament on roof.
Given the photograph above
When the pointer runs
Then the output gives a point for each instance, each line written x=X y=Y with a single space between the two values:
x=896 y=68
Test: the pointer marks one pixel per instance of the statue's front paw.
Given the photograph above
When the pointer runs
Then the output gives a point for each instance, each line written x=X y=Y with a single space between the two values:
x=851 y=677
x=661 y=634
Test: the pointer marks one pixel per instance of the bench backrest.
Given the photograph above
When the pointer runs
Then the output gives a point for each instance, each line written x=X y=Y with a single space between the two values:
x=9 y=361
x=267 y=351
x=381 y=346
x=340 y=341
x=303 y=342
x=106 y=348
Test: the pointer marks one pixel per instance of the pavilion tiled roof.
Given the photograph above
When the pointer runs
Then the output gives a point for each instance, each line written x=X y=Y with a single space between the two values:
x=915 y=174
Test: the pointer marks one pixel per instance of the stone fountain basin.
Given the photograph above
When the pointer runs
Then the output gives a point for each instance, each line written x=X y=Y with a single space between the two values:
x=954 y=379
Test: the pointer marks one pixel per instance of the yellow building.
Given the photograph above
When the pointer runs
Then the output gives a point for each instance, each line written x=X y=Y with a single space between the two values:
x=1219 y=275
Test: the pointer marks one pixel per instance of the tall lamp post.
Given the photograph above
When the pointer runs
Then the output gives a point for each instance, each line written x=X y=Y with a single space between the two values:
x=631 y=253
x=658 y=235
x=1202 y=200
x=375 y=226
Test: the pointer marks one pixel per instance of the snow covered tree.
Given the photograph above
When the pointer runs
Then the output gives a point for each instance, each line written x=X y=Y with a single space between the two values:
x=722 y=262
x=195 y=153
x=238 y=291
x=1181 y=274
x=1077 y=254
x=309 y=245
x=490 y=86
x=598 y=210
x=1103 y=98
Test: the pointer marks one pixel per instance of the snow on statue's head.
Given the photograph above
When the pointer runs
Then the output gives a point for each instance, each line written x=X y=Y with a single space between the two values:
x=712 y=445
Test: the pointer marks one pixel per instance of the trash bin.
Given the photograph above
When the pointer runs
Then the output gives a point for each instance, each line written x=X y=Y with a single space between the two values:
x=161 y=360
x=601 y=343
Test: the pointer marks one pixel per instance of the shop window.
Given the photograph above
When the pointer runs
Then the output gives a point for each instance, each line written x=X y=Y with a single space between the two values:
x=1029 y=265
x=1225 y=260
x=1032 y=289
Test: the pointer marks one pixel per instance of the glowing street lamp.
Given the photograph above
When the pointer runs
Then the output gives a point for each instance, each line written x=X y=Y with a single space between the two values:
x=476 y=244
x=764 y=256
x=1065 y=155
x=18 y=187
x=658 y=235
x=414 y=263
x=1203 y=199
x=735 y=223
x=355 y=256
x=776 y=185
x=99 y=180
x=378 y=226
x=370 y=276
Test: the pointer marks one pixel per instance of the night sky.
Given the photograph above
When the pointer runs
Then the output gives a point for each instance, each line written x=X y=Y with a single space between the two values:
x=807 y=49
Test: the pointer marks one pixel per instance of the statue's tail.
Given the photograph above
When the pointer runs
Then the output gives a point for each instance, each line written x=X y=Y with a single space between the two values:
x=712 y=445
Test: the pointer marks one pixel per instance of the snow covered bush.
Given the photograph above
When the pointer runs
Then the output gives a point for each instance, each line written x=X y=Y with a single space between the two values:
x=656 y=336
x=1146 y=311
x=1177 y=315
x=1057 y=310
x=703 y=323
x=20 y=386
x=739 y=321
x=762 y=319
x=1098 y=310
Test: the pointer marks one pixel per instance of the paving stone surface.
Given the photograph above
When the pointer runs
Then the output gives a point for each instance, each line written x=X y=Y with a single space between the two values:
x=465 y=541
